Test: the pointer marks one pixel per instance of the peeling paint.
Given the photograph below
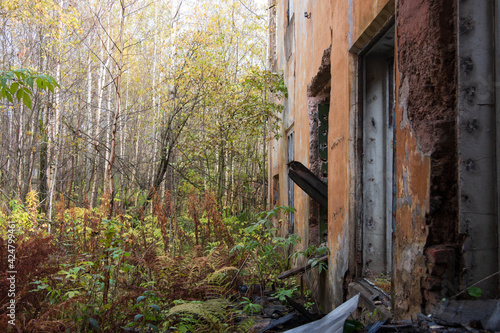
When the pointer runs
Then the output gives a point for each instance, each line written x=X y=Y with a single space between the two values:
x=429 y=169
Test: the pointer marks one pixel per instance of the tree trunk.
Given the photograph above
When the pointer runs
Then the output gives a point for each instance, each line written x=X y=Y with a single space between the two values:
x=56 y=137
x=97 y=126
x=113 y=140
x=20 y=150
x=42 y=187
x=221 y=176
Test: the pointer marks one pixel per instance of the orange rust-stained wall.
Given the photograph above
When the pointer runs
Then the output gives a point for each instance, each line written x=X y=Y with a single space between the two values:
x=427 y=214
x=427 y=243
x=309 y=39
x=317 y=26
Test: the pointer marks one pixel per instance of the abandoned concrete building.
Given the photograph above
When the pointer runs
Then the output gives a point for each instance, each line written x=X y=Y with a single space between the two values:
x=393 y=105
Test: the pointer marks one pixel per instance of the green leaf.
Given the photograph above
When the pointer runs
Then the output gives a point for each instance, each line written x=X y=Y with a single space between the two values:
x=43 y=85
x=156 y=307
x=54 y=82
x=13 y=87
x=29 y=81
x=475 y=292
x=94 y=323
x=8 y=96
x=352 y=326
x=9 y=75
x=27 y=91
x=20 y=94
x=155 y=329
x=18 y=73
x=140 y=298
x=137 y=317
x=126 y=268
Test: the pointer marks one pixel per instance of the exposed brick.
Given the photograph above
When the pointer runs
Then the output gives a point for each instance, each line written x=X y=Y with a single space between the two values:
x=440 y=255
x=432 y=297
x=437 y=270
x=432 y=283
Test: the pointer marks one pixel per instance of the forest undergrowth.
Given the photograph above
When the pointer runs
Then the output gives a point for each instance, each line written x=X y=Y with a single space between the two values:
x=152 y=272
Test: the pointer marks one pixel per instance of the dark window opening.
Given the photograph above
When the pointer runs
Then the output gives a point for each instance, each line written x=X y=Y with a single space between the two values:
x=290 y=158
x=276 y=190
x=323 y=112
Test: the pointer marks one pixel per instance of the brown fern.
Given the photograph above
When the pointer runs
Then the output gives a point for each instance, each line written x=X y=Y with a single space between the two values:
x=35 y=260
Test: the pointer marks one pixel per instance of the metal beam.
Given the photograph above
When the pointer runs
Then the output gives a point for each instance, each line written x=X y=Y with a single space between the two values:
x=308 y=182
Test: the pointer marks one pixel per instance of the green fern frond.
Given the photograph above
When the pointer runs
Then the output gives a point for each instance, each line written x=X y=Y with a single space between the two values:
x=245 y=326
x=219 y=275
x=210 y=315
x=209 y=310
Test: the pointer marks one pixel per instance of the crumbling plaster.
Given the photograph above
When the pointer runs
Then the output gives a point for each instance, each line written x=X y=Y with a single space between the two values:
x=426 y=160
x=427 y=197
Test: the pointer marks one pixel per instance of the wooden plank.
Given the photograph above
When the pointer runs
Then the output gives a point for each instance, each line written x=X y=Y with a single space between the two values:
x=301 y=309
x=300 y=270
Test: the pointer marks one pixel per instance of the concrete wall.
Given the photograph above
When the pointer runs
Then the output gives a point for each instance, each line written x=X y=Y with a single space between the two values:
x=300 y=47
x=439 y=245
x=327 y=24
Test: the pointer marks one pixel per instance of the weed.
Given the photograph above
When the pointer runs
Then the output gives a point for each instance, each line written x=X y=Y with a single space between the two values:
x=268 y=251
x=282 y=293
x=249 y=307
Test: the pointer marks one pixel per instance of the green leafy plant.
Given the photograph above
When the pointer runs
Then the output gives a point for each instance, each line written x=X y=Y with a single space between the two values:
x=284 y=292
x=268 y=251
x=150 y=314
x=351 y=326
x=322 y=266
x=314 y=253
x=20 y=84
x=249 y=307
x=475 y=292
x=374 y=316
x=309 y=305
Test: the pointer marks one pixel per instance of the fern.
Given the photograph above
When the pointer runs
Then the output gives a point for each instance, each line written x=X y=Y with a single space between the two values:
x=217 y=258
x=245 y=326
x=219 y=275
x=210 y=313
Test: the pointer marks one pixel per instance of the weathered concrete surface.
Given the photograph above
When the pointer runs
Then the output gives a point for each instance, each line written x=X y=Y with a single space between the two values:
x=302 y=68
x=478 y=145
x=335 y=24
x=412 y=169
x=364 y=13
x=430 y=223
x=338 y=173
